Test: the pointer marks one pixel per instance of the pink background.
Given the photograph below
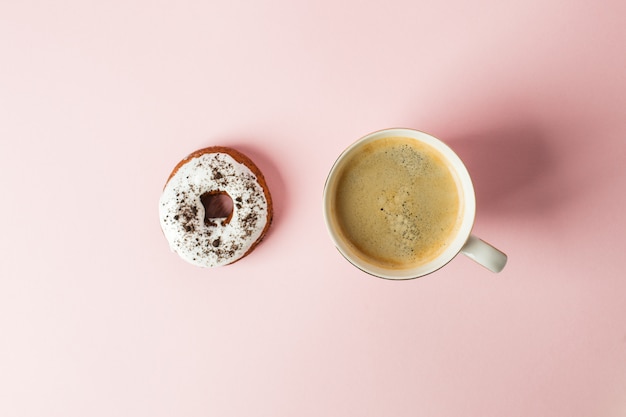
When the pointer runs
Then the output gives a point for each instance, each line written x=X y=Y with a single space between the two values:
x=99 y=101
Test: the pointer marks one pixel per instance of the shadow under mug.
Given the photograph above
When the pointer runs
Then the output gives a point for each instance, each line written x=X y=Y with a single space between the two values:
x=462 y=242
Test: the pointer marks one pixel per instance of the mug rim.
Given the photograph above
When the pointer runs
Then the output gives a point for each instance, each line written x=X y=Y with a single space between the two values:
x=463 y=233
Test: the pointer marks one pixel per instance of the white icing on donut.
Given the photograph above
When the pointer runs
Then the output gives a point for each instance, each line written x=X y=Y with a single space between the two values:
x=182 y=213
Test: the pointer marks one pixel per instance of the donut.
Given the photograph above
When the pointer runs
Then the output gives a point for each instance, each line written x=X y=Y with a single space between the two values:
x=215 y=207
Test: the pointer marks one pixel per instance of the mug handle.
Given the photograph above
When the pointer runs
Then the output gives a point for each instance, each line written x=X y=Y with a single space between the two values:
x=483 y=253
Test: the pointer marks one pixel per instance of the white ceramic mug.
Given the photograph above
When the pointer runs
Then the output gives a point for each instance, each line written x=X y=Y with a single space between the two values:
x=462 y=242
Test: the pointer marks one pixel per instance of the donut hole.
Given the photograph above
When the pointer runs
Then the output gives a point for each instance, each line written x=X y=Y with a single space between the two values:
x=217 y=206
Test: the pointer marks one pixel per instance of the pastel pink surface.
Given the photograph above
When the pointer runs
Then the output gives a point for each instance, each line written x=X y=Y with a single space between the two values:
x=98 y=102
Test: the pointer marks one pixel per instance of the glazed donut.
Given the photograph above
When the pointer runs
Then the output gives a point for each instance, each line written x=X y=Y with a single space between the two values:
x=215 y=207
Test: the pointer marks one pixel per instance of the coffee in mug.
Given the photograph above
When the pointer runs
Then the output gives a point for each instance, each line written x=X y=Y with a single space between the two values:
x=399 y=204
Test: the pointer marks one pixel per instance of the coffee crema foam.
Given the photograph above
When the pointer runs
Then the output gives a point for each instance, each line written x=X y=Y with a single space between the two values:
x=397 y=202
